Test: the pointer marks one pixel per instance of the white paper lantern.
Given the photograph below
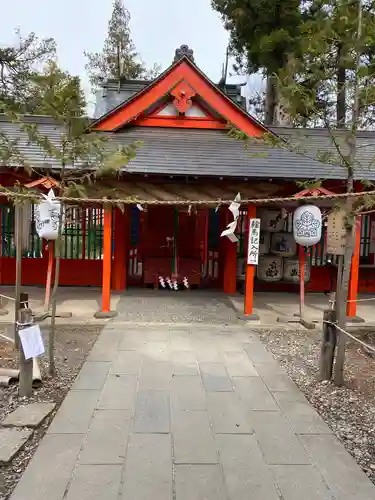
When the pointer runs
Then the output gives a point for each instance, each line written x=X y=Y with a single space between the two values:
x=283 y=244
x=291 y=270
x=47 y=215
x=264 y=243
x=307 y=225
x=270 y=268
x=271 y=220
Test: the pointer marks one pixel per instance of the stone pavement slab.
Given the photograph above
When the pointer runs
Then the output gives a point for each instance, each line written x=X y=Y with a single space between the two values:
x=11 y=441
x=107 y=438
x=198 y=482
x=148 y=468
x=92 y=376
x=152 y=412
x=297 y=482
x=95 y=482
x=217 y=421
x=75 y=413
x=246 y=474
x=339 y=470
x=48 y=474
x=215 y=377
x=192 y=438
x=31 y=415
x=277 y=441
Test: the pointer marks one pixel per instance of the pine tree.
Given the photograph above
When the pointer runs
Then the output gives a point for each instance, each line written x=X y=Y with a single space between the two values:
x=119 y=58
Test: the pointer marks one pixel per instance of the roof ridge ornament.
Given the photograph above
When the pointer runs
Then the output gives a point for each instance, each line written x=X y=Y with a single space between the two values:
x=182 y=51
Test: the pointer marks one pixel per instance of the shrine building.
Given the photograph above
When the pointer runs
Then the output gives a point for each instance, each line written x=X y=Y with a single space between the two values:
x=184 y=121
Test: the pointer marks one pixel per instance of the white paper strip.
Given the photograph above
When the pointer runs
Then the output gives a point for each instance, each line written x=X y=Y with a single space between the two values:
x=32 y=342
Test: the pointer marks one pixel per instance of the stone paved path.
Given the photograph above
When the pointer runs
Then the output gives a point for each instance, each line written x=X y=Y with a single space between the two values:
x=198 y=412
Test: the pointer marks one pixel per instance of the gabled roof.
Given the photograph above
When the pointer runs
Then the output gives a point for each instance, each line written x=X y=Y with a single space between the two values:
x=182 y=71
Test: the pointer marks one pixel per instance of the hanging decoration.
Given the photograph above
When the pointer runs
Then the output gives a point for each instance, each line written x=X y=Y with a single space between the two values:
x=307 y=225
x=283 y=244
x=234 y=208
x=47 y=215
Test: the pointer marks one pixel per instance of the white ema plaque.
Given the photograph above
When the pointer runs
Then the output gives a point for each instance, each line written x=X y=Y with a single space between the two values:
x=254 y=240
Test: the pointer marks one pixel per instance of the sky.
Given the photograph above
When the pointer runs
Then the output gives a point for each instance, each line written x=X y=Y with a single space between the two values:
x=158 y=27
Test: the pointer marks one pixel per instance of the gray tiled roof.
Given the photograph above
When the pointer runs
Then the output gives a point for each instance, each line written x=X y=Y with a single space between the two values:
x=200 y=153
x=318 y=141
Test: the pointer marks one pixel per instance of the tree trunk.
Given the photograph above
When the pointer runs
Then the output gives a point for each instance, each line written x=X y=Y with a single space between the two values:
x=270 y=102
x=341 y=88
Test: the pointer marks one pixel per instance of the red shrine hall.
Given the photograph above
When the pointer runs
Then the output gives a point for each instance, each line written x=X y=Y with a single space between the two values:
x=187 y=153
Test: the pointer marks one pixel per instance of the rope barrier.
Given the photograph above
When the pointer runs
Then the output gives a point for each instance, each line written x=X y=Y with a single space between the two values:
x=362 y=300
x=12 y=298
x=131 y=201
x=367 y=346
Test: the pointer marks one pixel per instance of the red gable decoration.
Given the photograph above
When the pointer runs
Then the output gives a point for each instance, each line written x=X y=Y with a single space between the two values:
x=183 y=82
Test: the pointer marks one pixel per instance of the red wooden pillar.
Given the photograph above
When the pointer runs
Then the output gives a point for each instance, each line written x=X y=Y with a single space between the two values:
x=229 y=250
x=249 y=274
x=107 y=264
x=121 y=250
x=351 y=307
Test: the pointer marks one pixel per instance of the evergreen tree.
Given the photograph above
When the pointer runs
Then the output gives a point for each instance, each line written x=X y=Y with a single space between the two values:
x=19 y=63
x=119 y=58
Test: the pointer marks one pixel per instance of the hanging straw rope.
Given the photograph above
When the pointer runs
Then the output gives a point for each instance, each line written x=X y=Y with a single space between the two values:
x=131 y=201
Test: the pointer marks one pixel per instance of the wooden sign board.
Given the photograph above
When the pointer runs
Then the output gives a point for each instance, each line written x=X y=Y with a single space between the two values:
x=336 y=240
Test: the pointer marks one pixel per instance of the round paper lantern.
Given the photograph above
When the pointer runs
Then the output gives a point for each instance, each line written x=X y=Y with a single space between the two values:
x=271 y=220
x=283 y=244
x=291 y=270
x=47 y=215
x=270 y=268
x=307 y=225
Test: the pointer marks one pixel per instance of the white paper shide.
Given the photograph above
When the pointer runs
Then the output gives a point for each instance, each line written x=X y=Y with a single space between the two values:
x=254 y=240
x=234 y=208
x=31 y=341
x=47 y=215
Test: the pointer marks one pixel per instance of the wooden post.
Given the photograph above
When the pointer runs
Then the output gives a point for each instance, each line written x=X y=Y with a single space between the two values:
x=328 y=345
x=26 y=366
x=51 y=253
x=249 y=275
x=107 y=264
x=121 y=250
x=351 y=308
x=18 y=242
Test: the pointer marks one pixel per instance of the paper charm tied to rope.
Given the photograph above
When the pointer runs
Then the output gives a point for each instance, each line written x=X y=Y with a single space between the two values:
x=234 y=208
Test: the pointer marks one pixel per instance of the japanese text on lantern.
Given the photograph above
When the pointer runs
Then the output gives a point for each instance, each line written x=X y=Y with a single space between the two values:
x=254 y=239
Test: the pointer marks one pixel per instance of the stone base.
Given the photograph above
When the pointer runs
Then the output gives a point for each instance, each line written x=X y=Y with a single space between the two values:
x=296 y=319
x=31 y=415
x=3 y=312
x=105 y=315
x=355 y=319
x=44 y=315
x=249 y=317
x=11 y=441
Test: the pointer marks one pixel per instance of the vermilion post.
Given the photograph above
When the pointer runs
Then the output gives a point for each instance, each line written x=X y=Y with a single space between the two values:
x=351 y=308
x=301 y=256
x=250 y=271
x=107 y=260
x=121 y=250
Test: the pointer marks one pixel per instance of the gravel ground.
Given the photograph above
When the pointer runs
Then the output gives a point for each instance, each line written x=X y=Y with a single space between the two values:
x=72 y=346
x=348 y=410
